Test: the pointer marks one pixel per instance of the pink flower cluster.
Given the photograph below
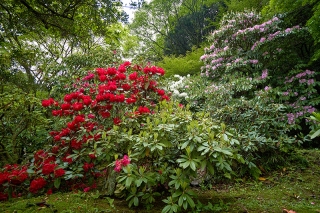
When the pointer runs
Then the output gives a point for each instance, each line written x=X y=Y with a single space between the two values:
x=121 y=163
x=264 y=74
x=300 y=76
x=260 y=28
x=293 y=116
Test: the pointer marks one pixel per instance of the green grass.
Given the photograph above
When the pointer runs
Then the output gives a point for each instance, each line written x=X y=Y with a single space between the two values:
x=296 y=187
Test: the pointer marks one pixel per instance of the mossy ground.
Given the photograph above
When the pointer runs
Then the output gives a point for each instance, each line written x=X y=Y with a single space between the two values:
x=296 y=187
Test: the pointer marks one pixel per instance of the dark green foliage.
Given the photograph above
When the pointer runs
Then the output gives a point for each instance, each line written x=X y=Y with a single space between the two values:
x=303 y=13
x=191 y=30
x=23 y=126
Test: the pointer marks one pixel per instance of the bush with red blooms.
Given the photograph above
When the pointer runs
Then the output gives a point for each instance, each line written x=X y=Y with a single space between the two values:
x=80 y=152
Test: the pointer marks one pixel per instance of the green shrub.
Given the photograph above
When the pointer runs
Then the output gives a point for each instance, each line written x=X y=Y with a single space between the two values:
x=182 y=65
x=167 y=154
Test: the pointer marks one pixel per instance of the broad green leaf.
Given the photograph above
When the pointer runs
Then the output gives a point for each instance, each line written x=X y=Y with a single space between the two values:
x=185 y=205
x=138 y=182
x=180 y=201
x=227 y=175
x=185 y=144
x=210 y=169
x=200 y=148
x=185 y=164
x=193 y=165
x=166 y=209
x=316 y=134
x=180 y=160
x=190 y=201
x=57 y=183
x=176 y=194
x=130 y=202
x=30 y=171
x=136 y=201
x=128 y=182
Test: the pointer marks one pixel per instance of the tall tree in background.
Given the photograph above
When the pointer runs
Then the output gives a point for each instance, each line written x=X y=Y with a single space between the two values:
x=173 y=26
x=151 y=25
x=191 y=29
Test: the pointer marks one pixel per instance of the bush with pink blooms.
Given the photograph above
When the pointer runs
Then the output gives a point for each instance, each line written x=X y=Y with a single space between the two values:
x=254 y=55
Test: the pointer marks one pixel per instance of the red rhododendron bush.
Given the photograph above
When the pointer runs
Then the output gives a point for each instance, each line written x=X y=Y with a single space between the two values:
x=81 y=146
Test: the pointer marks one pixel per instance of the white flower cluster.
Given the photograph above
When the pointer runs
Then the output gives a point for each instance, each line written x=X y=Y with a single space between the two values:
x=174 y=86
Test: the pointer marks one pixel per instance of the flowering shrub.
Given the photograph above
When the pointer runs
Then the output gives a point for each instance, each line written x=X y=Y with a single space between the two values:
x=245 y=48
x=244 y=45
x=99 y=101
x=119 y=123
x=247 y=85
x=300 y=95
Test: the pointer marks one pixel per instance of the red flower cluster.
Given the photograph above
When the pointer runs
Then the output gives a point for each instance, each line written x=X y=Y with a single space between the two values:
x=87 y=166
x=48 y=168
x=49 y=102
x=3 y=196
x=122 y=162
x=143 y=110
x=153 y=70
x=37 y=184
x=59 y=173
x=13 y=174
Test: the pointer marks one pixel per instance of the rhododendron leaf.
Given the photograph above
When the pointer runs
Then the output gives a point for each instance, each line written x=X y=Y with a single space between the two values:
x=180 y=160
x=180 y=201
x=197 y=139
x=210 y=168
x=234 y=141
x=136 y=201
x=128 y=182
x=30 y=171
x=122 y=179
x=193 y=165
x=130 y=202
x=57 y=183
x=176 y=194
x=190 y=201
x=138 y=182
x=185 y=144
x=159 y=147
x=316 y=134
x=225 y=137
x=200 y=148
x=95 y=146
x=166 y=208
x=67 y=177
x=203 y=164
x=185 y=164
